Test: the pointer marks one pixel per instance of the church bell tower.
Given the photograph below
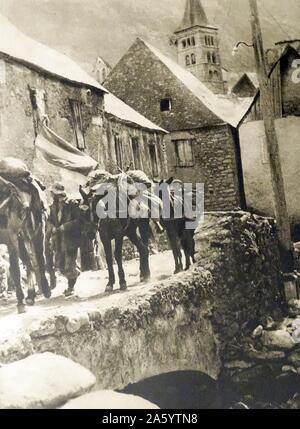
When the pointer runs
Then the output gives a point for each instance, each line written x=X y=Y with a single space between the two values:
x=198 y=47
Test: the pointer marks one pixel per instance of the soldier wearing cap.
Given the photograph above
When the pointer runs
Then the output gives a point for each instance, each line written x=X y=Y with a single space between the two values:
x=64 y=232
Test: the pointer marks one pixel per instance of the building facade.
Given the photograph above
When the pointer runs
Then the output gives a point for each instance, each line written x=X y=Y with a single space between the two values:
x=255 y=162
x=198 y=49
x=202 y=145
x=38 y=84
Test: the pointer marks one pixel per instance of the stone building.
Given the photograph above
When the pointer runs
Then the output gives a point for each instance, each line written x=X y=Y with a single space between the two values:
x=203 y=144
x=285 y=82
x=37 y=82
x=198 y=49
x=246 y=86
x=101 y=70
x=132 y=140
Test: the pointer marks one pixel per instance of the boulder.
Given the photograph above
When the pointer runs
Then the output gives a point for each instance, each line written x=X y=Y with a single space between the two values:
x=279 y=340
x=294 y=307
x=272 y=355
x=109 y=400
x=257 y=332
x=294 y=358
x=42 y=381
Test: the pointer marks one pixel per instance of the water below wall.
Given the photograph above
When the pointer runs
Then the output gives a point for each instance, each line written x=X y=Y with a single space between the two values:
x=195 y=390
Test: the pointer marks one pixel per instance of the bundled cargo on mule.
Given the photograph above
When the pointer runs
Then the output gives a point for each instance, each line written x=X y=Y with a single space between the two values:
x=16 y=179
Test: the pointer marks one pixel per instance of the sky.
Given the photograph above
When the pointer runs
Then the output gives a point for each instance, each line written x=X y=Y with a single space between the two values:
x=84 y=29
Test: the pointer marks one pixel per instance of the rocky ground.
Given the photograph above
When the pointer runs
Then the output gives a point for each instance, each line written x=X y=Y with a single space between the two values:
x=265 y=372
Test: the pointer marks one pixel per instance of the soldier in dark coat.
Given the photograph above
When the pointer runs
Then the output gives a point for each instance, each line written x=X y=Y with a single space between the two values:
x=64 y=232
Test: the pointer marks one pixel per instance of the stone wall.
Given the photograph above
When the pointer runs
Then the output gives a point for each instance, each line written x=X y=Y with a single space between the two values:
x=144 y=138
x=141 y=80
x=256 y=168
x=215 y=165
x=240 y=250
x=17 y=129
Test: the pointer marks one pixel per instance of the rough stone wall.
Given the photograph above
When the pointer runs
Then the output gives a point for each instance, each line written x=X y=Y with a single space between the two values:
x=215 y=165
x=113 y=126
x=126 y=338
x=241 y=252
x=17 y=129
x=141 y=81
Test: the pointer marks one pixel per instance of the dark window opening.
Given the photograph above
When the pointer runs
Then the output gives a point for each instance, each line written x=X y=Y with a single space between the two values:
x=184 y=44
x=184 y=153
x=212 y=41
x=193 y=41
x=136 y=153
x=208 y=57
x=165 y=105
x=210 y=74
x=153 y=159
x=119 y=151
x=213 y=58
x=187 y=60
x=189 y=42
x=78 y=123
x=193 y=58
x=216 y=74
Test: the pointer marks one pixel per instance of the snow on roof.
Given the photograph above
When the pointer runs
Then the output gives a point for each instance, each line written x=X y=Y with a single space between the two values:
x=17 y=45
x=227 y=109
x=121 y=110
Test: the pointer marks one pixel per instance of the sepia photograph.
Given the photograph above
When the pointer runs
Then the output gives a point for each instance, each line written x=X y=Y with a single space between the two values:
x=149 y=207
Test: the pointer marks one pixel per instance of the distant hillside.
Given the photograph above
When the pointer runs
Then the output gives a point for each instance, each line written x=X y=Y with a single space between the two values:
x=85 y=29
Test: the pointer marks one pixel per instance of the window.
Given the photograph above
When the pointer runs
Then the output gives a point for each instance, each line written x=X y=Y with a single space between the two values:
x=213 y=58
x=212 y=41
x=187 y=60
x=206 y=40
x=184 y=153
x=78 y=124
x=136 y=153
x=208 y=57
x=153 y=160
x=184 y=44
x=193 y=58
x=189 y=42
x=216 y=74
x=165 y=105
x=193 y=41
x=118 y=150
x=210 y=75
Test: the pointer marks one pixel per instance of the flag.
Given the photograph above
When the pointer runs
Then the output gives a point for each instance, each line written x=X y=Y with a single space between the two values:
x=54 y=154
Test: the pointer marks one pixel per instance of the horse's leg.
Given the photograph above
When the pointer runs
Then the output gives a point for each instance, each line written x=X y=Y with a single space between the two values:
x=144 y=229
x=143 y=252
x=15 y=273
x=106 y=241
x=38 y=264
x=172 y=237
x=50 y=266
x=39 y=261
x=31 y=294
x=118 y=256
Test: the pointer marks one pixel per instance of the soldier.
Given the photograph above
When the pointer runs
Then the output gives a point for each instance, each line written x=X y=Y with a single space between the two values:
x=65 y=234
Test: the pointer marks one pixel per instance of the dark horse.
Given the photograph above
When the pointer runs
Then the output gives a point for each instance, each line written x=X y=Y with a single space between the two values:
x=118 y=227
x=22 y=227
x=178 y=234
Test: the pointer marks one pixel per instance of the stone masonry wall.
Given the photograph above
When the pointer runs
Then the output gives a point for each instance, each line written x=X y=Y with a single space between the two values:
x=113 y=126
x=17 y=131
x=215 y=165
x=141 y=80
x=241 y=252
